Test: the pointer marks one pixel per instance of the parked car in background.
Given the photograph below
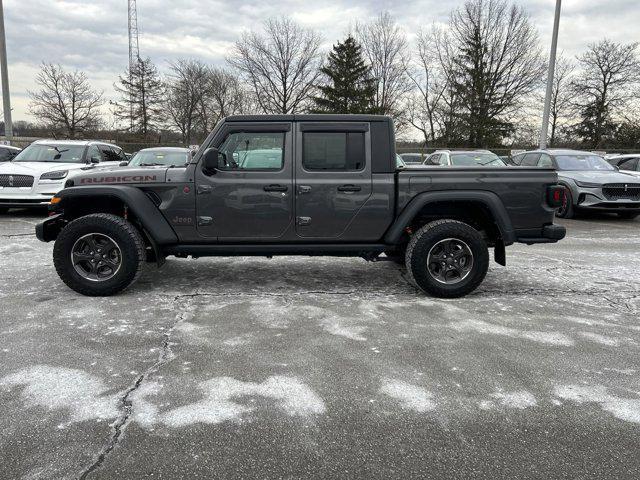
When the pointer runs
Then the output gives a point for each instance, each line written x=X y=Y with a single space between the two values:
x=8 y=153
x=400 y=162
x=472 y=158
x=161 y=156
x=40 y=171
x=629 y=163
x=590 y=182
x=412 y=158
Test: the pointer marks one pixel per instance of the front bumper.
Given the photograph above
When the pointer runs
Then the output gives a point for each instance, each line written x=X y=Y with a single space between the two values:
x=49 y=228
x=594 y=199
x=548 y=234
x=37 y=196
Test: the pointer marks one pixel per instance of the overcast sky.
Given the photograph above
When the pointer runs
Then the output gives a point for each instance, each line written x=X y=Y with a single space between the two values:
x=91 y=35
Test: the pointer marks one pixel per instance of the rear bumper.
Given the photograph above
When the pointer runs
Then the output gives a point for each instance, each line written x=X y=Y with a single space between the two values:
x=549 y=234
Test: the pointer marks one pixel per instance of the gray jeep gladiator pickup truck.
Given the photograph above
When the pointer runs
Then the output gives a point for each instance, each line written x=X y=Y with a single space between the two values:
x=299 y=185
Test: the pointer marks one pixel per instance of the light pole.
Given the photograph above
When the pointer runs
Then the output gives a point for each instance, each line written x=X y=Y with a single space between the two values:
x=6 y=101
x=550 y=76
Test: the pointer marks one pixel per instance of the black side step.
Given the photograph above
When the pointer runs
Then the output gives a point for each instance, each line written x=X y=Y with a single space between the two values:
x=336 y=250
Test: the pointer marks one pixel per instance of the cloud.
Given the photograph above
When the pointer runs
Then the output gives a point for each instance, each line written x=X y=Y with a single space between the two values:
x=91 y=35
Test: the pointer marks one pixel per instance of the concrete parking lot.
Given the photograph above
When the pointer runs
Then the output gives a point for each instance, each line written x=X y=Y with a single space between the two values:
x=325 y=368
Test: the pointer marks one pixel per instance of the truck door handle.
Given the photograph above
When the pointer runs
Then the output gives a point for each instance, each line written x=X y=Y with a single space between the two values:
x=349 y=188
x=304 y=189
x=276 y=188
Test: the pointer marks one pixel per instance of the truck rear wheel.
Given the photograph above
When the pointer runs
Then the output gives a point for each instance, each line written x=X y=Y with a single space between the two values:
x=99 y=254
x=447 y=258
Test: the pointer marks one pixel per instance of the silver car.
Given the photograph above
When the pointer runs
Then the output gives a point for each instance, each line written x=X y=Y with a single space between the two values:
x=590 y=182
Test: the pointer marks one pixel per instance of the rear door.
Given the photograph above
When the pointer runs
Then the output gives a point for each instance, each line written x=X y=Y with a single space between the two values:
x=332 y=177
x=250 y=197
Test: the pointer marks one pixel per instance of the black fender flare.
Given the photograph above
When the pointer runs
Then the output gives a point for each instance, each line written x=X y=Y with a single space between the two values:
x=152 y=220
x=488 y=199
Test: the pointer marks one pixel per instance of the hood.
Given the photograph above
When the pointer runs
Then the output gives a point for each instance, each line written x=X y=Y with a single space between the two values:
x=37 y=168
x=599 y=177
x=120 y=175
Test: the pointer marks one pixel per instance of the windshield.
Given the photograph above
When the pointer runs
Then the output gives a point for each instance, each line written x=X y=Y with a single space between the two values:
x=476 y=159
x=583 y=162
x=51 y=153
x=176 y=159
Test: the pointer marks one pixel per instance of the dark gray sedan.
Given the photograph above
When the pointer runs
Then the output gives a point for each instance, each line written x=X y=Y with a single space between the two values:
x=590 y=182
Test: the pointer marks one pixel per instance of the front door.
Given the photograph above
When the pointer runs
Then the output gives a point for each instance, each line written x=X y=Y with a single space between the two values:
x=333 y=177
x=250 y=195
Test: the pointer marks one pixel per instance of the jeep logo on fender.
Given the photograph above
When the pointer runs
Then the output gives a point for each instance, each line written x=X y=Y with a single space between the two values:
x=120 y=179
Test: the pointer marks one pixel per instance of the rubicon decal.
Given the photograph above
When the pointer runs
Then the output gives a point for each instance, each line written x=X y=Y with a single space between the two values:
x=120 y=179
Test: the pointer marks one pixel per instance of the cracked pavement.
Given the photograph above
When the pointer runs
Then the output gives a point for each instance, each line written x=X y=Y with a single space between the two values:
x=325 y=367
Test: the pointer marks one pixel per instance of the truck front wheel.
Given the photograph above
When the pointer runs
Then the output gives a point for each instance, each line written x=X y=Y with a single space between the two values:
x=447 y=258
x=99 y=254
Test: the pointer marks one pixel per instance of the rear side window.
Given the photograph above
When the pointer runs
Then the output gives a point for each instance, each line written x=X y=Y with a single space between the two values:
x=530 y=160
x=338 y=151
x=109 y=154
x=545 y=161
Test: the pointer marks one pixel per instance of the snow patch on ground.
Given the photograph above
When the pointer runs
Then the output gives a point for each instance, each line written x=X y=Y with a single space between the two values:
x=411 y=397
x=627 y=409
x=601 y=339
x=56 y=388
x=550 y=338
x=145 y=412
x=291 y=395
x=340 y=327
x=519 y=399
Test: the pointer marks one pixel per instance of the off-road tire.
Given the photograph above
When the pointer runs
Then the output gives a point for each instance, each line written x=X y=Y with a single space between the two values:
x=123 y=233
x=568 y=211
x=426 y=238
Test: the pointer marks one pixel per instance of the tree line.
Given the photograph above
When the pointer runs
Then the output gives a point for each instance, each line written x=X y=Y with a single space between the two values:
x=476 y=81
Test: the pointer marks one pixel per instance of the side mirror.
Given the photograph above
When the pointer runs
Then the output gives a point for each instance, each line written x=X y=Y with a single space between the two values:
x=210 y=160
x=123 y=164
x=94 y=160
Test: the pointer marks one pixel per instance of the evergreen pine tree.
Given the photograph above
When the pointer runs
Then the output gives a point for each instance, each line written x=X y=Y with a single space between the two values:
x=142 y=93
x=349 y=87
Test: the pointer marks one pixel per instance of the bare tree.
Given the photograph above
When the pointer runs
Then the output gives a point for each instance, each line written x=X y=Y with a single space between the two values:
x=281 y=65
x=426 y=104
x=142 y=100
x=65 y=101
x=225 y=96
x=385 y=47
x=186 y=90
x=561 y=97
x=609 y=78
x=494 y=58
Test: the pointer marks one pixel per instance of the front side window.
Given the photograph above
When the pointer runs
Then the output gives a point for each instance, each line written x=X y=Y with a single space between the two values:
x=93 y=154
x=51 y=153
x=253 y=151
x=337 y=151
x=628 y=164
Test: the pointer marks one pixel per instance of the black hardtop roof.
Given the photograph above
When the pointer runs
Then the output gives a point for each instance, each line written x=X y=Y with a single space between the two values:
x=308 y=118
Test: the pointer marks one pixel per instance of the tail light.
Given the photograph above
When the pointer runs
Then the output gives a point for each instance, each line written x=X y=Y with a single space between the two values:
x=555 y=195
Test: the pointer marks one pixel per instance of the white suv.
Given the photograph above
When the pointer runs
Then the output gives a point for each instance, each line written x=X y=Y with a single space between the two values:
x=40 y=171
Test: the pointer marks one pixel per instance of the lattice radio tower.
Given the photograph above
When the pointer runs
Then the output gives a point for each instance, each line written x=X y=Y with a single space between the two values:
x=134 y=49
